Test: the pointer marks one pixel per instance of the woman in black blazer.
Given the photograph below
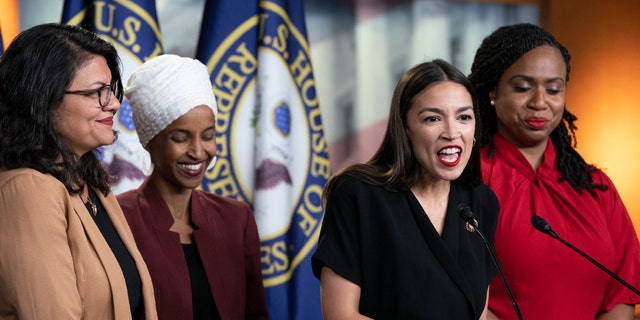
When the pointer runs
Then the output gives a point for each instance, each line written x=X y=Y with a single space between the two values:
x=392 y=245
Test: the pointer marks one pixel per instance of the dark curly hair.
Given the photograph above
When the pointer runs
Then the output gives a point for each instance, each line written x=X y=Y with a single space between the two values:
x=496 y=54
x=394 y=166
x=35 y=71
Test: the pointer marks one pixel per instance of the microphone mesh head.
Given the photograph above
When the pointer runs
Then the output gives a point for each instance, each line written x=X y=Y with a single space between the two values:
x=540 y=224
x=465 y=212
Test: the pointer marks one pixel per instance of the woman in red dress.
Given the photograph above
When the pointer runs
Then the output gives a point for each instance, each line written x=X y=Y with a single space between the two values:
x=520 y=74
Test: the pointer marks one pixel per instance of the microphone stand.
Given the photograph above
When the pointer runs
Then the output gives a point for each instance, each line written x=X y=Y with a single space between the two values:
x=544 y=227
x=466 y=214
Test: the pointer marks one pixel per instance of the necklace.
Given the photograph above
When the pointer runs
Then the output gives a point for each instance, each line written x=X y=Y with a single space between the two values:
x=90 y=204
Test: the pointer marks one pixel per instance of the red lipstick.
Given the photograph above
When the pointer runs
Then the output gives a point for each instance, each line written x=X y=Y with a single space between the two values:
x=107 y=121
x=536 y=123
x=450 y=156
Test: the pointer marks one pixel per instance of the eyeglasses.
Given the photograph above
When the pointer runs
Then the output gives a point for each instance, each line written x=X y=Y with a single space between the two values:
x=104 y=93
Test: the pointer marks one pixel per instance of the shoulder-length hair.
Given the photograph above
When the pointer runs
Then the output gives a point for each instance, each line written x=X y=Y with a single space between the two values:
x=35 y=71
x=394 y=166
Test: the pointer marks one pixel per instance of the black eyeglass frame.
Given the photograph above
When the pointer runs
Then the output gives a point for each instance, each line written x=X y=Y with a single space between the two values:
x=111 y=88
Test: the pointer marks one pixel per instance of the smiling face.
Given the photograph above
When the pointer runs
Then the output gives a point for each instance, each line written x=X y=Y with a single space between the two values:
x=183 y=150
x=80 y=120
x=530 y=97
x=440 y=126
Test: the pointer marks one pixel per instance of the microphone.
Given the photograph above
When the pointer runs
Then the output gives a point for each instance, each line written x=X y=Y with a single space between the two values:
x=544 y=227
x=467 y=215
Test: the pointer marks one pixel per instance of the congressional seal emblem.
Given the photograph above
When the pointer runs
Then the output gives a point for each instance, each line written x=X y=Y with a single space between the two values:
x=271 y=147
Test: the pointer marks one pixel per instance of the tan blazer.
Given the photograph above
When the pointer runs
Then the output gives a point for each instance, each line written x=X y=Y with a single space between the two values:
x=54 y=261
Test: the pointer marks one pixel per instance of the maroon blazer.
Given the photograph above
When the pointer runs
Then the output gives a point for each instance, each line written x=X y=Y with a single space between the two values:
x=227 y=240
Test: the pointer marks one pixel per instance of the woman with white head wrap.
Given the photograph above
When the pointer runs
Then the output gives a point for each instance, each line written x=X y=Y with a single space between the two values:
x=203 y=250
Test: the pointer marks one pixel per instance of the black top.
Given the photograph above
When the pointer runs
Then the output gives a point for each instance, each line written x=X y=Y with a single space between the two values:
x=204 y=307
x=127 y=264
x=384 y=242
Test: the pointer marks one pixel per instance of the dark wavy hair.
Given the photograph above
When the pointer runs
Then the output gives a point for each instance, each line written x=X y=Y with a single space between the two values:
x=35 y=71
x=496 y=54
x=394 y=166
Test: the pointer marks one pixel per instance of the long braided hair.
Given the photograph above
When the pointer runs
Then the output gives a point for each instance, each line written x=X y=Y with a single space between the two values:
x=497 y=53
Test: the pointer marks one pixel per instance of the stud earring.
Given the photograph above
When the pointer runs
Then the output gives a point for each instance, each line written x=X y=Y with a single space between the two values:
x=493 y=103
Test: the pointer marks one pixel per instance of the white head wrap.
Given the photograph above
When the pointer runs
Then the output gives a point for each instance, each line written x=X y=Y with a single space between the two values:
x=165 y=88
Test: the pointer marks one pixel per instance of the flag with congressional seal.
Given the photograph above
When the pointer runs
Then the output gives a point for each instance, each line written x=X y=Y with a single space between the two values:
x=132 y=27
x=272 y=152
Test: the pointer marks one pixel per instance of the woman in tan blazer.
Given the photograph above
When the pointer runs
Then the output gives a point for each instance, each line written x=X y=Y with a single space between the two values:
x=66 y=251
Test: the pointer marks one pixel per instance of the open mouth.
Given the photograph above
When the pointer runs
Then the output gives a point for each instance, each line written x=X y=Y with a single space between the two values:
x=192 y=169
x=449 y=156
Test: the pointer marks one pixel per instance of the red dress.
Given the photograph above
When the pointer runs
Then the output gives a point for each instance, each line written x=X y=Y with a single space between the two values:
x=549 y=280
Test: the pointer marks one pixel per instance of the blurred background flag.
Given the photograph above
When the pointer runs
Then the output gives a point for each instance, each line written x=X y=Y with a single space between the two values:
x=132 y=27
x=272 y=152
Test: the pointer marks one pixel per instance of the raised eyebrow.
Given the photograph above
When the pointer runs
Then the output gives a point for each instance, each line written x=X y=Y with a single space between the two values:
x=434 y=110
x=441 y=112
x=465 y=108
